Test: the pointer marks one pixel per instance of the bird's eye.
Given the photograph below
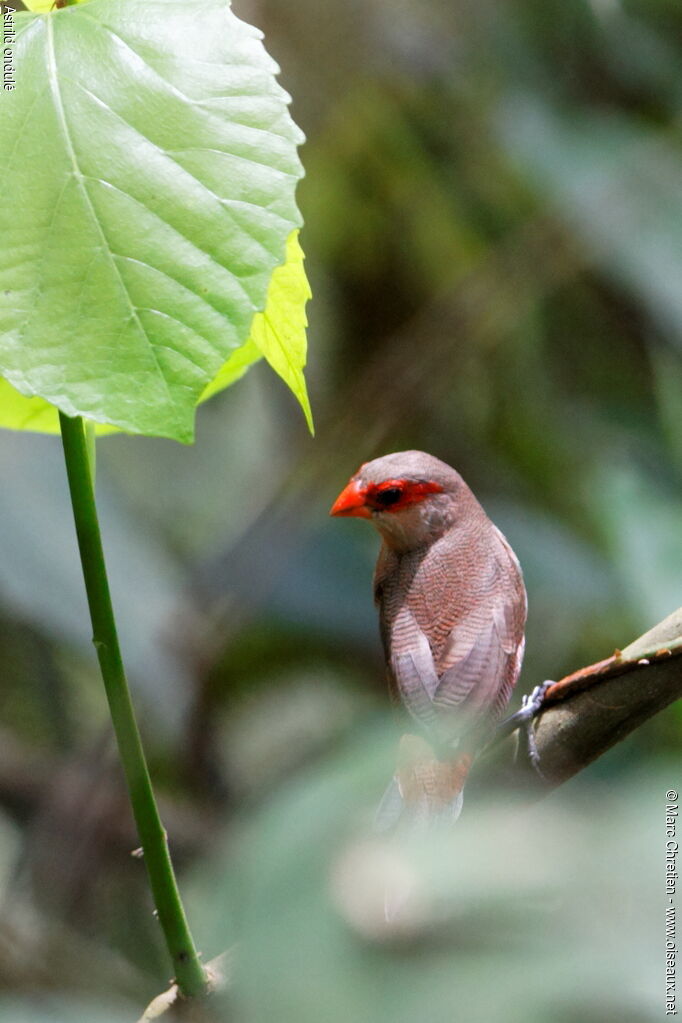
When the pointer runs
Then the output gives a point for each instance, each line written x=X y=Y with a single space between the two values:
x=385 y=498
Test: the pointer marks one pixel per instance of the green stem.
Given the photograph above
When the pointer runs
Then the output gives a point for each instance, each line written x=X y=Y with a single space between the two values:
x=189 y=973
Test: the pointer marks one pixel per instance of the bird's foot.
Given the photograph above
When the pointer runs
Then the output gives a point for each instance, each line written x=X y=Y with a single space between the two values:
x=530 y=705
x=523 y=719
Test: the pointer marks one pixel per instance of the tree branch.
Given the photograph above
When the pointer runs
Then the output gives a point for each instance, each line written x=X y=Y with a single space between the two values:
x=590 y=710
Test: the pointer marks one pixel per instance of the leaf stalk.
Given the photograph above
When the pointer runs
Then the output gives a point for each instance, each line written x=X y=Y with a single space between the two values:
x=189 y=973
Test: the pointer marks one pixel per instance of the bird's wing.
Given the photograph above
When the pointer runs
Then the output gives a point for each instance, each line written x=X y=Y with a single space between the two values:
x=477 y=670
x=449 y=673
x=481 y=659
x=411 y=663
x=475 y=663
x=413 y=679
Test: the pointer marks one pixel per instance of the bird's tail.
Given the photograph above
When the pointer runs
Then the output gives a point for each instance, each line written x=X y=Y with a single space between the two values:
x=424 y=789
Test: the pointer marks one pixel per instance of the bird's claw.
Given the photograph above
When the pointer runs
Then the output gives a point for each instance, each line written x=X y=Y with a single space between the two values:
x=531 y=702
x=523 y=720
x=530 y=705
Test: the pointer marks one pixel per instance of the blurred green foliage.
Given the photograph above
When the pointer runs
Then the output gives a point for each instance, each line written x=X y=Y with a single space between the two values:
x=494 y=229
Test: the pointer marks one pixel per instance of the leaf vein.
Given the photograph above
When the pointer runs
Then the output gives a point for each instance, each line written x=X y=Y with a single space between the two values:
x=192 y=177
x=174 y=280
x=80 y=178
x=187 y=326
x=200 y=103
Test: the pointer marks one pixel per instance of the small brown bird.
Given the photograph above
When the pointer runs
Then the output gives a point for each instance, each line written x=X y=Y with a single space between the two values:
x=452 y=610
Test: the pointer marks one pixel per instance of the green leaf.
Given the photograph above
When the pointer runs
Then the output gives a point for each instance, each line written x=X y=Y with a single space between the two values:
x=279 y=330
x=278 y=333
x=17 y=412
x=235 y=367
x=153 y=166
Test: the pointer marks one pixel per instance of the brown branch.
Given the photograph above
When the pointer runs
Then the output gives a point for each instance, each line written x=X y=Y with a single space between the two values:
x=590 y=710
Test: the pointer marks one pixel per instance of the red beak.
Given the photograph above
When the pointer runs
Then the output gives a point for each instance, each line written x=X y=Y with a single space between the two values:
x=351 y=501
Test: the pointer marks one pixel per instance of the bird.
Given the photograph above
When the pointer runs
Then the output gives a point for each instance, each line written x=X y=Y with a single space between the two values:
x=452 y=611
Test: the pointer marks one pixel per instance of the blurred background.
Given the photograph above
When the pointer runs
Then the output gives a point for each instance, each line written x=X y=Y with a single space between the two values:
x=493 y=211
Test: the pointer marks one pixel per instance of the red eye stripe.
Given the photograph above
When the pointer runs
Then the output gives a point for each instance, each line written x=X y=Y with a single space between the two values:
x=394 y=494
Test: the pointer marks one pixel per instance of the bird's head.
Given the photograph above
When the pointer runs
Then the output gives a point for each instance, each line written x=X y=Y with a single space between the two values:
x=411 y=497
